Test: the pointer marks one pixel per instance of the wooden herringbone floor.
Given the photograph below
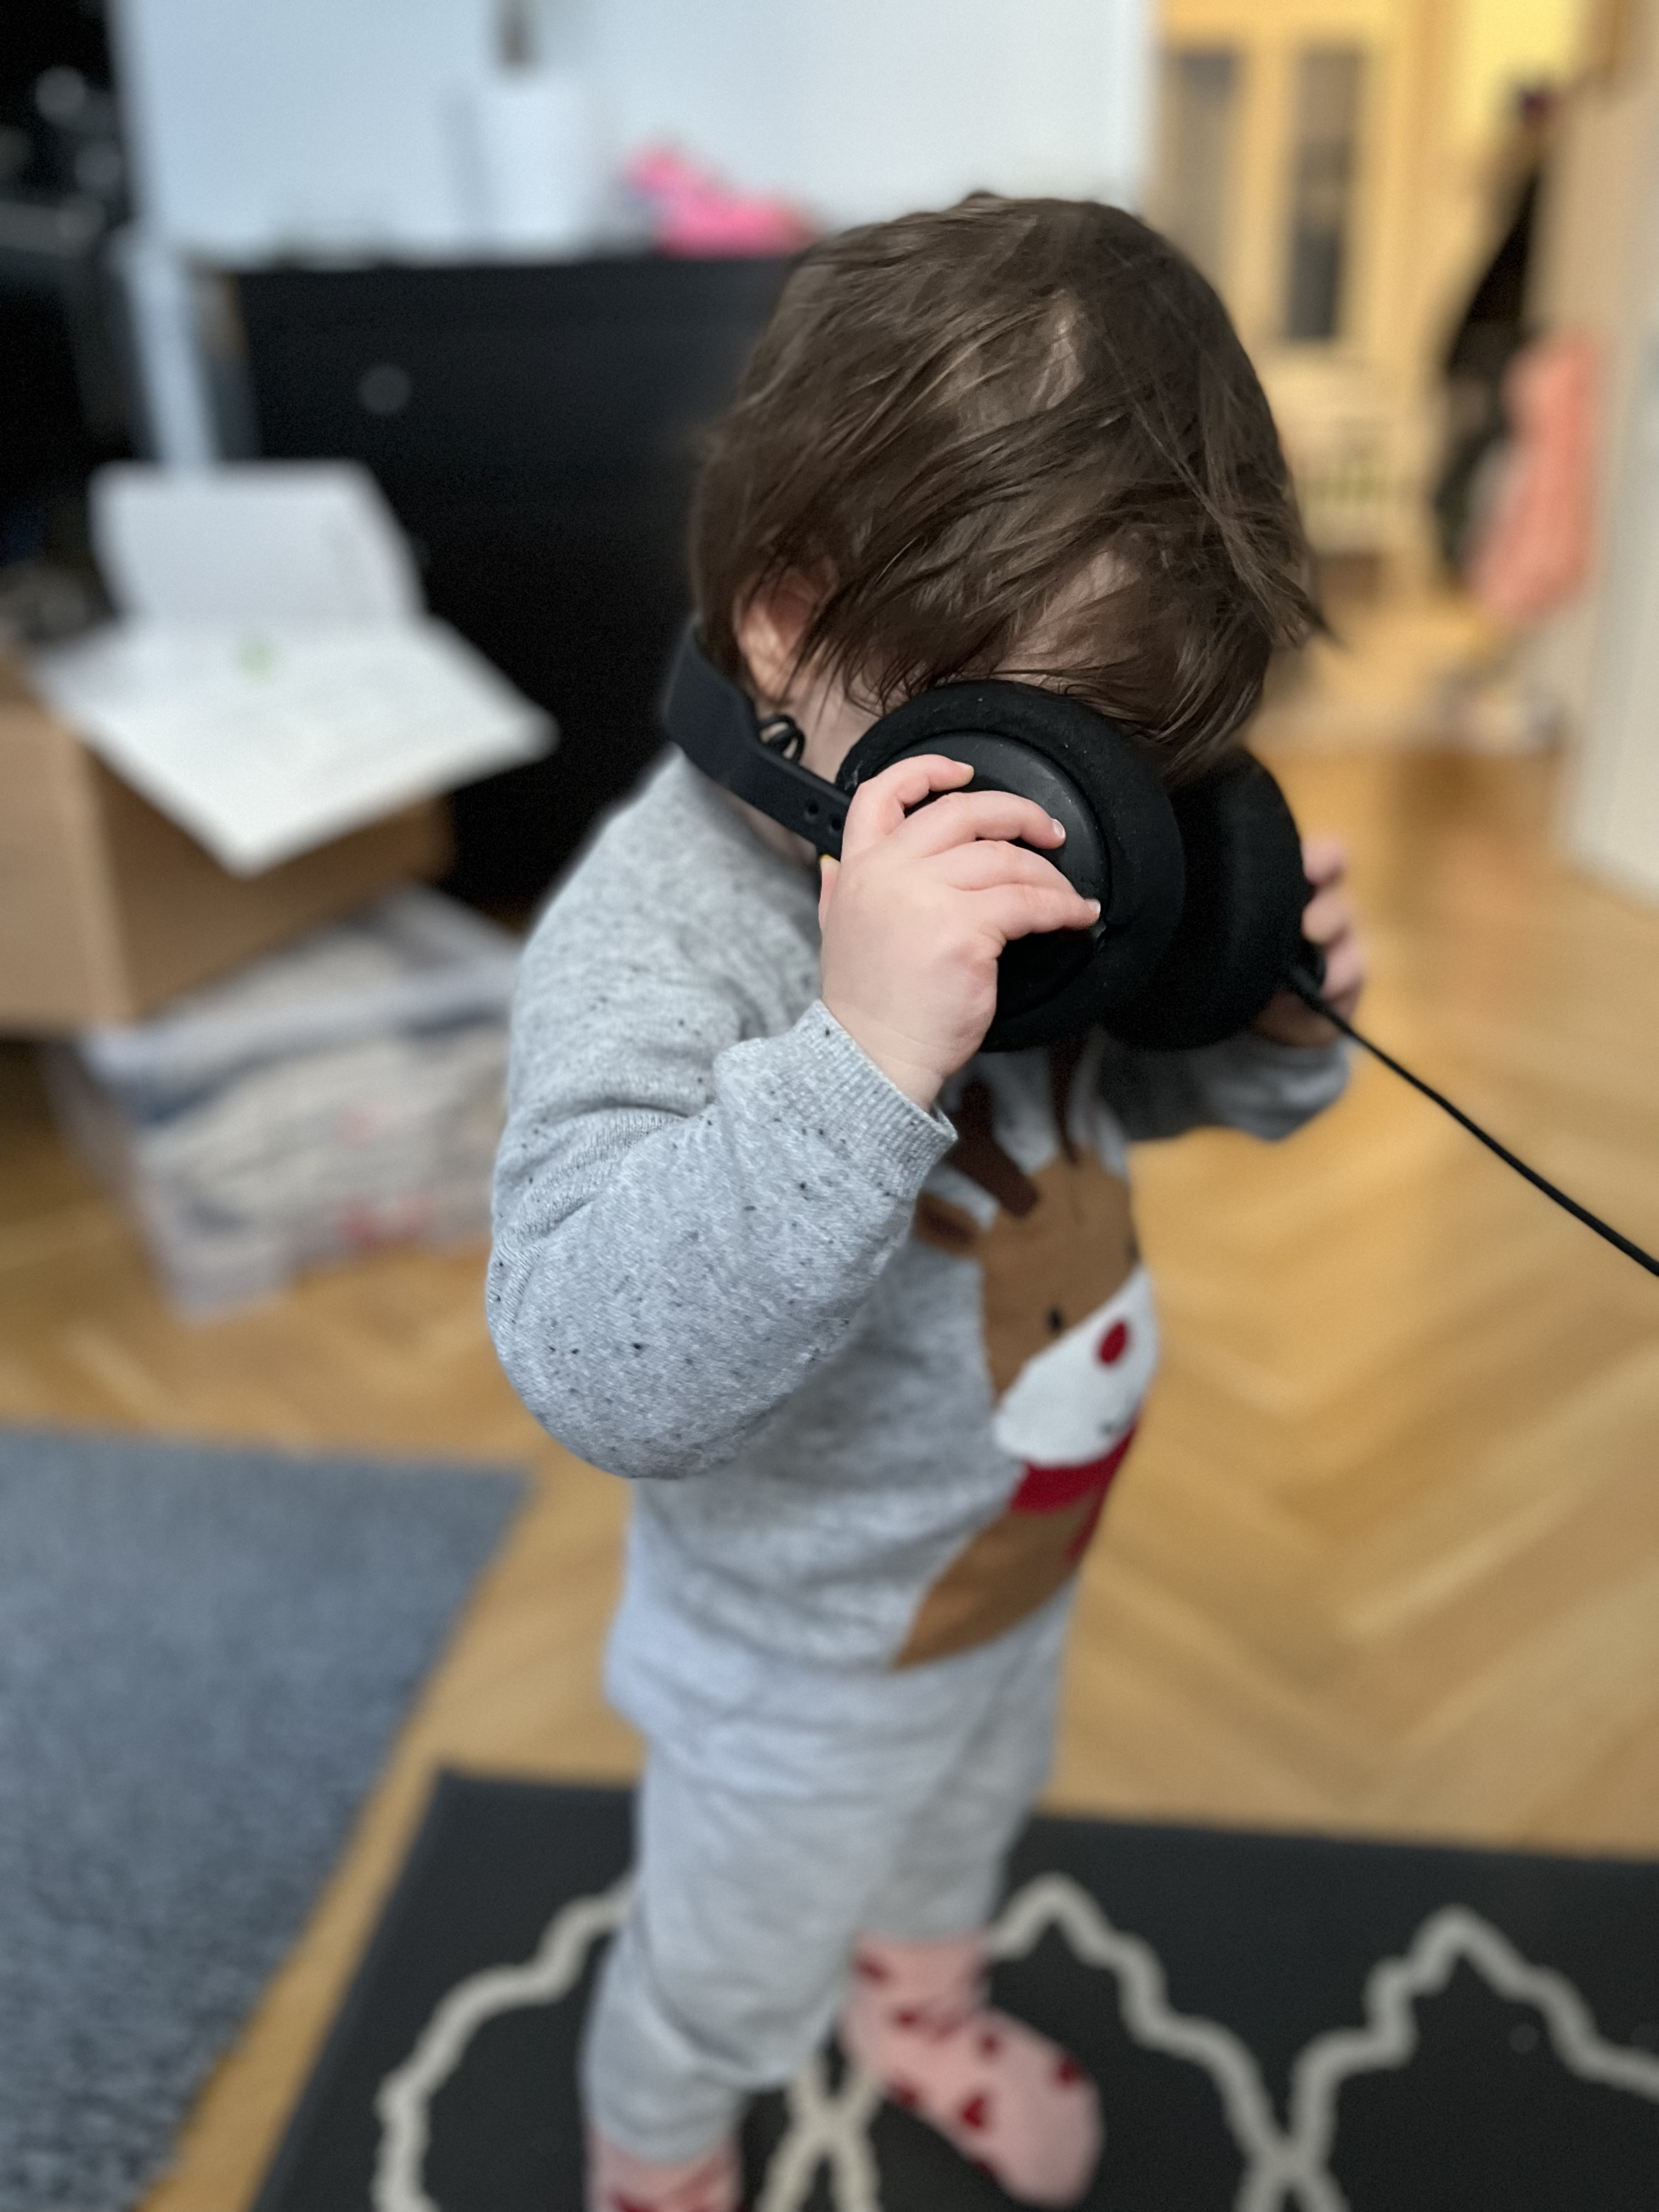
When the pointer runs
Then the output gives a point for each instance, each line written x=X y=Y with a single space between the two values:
x=1387 y=1558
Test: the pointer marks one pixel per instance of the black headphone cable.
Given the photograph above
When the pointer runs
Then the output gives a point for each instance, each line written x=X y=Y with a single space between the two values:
x=1303 y=984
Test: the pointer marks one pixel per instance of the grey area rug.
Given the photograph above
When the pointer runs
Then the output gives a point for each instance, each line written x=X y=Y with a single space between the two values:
x=204 y=1656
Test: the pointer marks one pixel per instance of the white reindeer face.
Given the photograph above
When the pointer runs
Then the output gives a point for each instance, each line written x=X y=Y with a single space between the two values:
x=1071 y=1403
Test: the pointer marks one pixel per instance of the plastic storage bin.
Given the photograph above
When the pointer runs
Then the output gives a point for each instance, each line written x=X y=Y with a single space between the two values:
x=344 y=1093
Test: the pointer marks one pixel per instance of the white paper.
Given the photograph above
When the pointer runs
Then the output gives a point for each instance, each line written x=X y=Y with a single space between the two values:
x=275 y=682
x=264 y=740
x=255 y=541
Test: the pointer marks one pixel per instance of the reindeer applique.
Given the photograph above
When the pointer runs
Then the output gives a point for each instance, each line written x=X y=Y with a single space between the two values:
x=1070 y=1338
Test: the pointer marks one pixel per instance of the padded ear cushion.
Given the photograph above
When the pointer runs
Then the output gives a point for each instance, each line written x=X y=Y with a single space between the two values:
x=1242 y=923
x=1121 y=847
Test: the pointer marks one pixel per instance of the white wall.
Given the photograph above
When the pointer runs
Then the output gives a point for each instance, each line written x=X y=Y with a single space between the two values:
x=258 y=124
x=862 y=108
x=269 y=125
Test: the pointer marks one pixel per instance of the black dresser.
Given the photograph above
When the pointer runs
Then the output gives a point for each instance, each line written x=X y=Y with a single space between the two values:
x=535 y=429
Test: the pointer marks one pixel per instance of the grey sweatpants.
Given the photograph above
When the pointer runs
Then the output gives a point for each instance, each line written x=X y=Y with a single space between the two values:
x=750 y=1891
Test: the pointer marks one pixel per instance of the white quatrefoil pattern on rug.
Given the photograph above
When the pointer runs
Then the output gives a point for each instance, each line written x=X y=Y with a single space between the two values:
x=1458 y=2068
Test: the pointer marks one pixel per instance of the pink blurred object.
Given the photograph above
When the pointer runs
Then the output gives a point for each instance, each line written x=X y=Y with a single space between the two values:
x=692 y=212
x=1533 y=553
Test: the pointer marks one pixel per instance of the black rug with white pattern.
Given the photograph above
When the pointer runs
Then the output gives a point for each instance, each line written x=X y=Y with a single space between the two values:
x=1278 y=2024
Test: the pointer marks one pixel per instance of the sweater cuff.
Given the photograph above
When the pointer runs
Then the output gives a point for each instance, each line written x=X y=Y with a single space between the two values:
x=1271 y=1089
x=860 y=1111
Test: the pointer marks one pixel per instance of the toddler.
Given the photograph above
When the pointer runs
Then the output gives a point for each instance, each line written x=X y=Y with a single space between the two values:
x=862 y=1315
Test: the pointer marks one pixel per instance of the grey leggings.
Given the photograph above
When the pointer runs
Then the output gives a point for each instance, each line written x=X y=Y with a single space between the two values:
x=731 y=1964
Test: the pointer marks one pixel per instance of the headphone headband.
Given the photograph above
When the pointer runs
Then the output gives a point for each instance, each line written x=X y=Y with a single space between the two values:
x=714 y=723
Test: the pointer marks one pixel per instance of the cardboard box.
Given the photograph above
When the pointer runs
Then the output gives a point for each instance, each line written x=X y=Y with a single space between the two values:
x=108 y=910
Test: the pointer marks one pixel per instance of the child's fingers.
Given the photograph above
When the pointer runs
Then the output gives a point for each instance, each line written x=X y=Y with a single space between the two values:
x=1324 y=859
x=881 y=805
x=963 y=816
x=1327 y=916
x=827 y=871
x=1344 y=975
x=1027 y=909
x=989 y=861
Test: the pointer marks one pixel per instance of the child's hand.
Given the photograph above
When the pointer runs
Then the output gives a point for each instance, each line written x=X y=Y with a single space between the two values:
x=915 y=913
x=1327 y=922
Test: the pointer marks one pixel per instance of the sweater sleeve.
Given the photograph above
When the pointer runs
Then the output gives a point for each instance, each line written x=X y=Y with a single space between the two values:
x=1246 y=1082
x=687 y=1220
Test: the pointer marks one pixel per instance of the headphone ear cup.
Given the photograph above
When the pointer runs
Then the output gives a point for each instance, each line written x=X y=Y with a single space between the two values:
x=1122 y=844
x=1242 y=922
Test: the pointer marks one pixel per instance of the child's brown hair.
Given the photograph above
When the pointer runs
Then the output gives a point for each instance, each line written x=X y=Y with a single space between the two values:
x=1015 y=419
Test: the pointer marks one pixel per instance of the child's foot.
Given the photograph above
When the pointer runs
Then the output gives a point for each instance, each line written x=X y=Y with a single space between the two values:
x=1015 y=2103
x=618 y=2182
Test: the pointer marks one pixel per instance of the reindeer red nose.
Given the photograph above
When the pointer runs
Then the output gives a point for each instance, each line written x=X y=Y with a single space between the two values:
x=1114 y=1344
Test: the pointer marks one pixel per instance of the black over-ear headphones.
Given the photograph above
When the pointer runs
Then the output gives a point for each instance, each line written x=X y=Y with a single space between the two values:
x=1201 y=888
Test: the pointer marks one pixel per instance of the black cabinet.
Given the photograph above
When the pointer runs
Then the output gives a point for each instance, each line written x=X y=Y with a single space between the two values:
x=535 y=429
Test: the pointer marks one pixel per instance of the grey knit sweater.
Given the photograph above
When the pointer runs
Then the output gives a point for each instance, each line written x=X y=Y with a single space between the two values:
x=871 y=1395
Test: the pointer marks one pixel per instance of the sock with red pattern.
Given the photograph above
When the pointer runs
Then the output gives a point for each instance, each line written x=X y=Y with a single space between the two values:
x=1010 y=2101
x=618 y=2182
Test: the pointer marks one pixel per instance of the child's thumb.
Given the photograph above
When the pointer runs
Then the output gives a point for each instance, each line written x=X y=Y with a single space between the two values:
x=827 y=871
